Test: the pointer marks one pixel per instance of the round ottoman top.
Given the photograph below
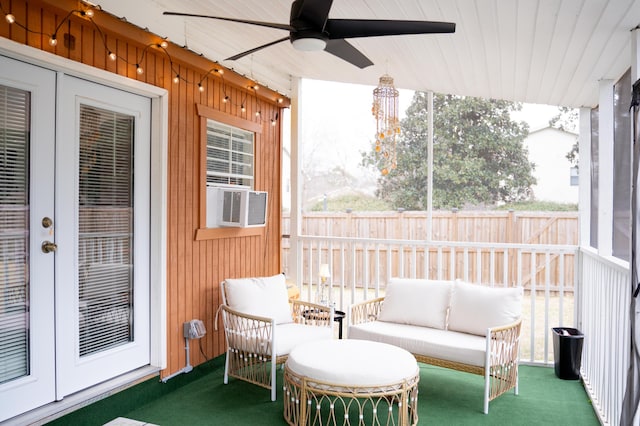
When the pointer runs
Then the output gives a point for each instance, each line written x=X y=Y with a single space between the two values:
x=352 y=362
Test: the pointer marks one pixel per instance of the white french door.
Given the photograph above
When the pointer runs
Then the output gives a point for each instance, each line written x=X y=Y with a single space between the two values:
x=74 y=235
x=27 y=143
x=102 y=233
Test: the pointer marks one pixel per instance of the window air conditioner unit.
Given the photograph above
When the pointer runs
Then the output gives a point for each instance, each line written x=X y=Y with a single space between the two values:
x=241 y=208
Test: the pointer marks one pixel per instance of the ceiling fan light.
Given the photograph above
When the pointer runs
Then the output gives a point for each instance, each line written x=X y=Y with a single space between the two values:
x=309 y=44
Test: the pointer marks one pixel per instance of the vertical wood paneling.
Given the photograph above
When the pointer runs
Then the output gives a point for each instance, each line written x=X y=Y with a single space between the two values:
x=194 y=268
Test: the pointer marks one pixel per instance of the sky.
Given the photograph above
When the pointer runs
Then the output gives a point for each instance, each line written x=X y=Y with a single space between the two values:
x=338 y=125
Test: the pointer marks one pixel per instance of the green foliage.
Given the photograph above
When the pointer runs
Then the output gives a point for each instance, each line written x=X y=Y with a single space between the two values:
x=540 y=206
x=567 y=120
x=479 y=157
x=353 y=202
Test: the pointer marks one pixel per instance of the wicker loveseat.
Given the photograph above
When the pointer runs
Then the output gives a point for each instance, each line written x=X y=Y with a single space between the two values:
x=457 y=325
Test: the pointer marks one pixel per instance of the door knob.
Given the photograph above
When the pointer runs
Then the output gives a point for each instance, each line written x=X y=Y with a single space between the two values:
x=48 y=247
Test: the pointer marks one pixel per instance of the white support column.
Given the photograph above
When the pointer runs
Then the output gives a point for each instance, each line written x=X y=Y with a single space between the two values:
x=605 y=169
x=584 y=177
x=295 y=262
x=430 y=168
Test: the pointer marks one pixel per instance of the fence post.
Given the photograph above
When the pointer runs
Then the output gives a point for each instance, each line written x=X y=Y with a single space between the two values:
x=511 y=238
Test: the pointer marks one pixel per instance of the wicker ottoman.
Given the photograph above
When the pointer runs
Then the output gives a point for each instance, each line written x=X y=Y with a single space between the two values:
x=350 y=382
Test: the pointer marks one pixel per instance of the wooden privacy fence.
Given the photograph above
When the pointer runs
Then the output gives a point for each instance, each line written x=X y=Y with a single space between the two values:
x=460 y=226
x=502 y=248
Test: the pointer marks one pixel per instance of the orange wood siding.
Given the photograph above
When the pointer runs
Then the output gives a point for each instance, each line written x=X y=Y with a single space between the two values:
x=194 y=267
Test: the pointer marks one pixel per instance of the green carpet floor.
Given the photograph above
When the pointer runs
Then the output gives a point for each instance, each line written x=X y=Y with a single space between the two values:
x=445 y=398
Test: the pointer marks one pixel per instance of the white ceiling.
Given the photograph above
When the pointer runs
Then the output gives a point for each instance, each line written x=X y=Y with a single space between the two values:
x=539 y=51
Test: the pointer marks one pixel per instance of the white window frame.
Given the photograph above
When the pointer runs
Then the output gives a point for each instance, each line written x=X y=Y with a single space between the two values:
x=234 y=157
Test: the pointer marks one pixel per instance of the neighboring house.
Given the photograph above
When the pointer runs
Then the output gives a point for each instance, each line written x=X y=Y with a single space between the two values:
x=557 y=179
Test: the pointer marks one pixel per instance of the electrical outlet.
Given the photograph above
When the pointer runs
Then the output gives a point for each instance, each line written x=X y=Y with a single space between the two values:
x=194 y=329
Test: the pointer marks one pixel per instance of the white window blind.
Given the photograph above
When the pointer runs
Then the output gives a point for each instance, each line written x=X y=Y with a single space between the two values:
x=105 y=257
x=14 y=233
x=229 y=155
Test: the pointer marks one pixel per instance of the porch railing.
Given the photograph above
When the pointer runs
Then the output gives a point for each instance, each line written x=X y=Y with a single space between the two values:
x=605 y=321
x=361 y=267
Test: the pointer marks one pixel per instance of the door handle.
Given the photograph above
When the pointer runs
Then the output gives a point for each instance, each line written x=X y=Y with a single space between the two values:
x=49 y=247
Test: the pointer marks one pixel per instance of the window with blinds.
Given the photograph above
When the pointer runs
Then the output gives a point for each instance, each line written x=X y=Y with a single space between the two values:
x=14 y=233
x=105 y=258
x=230 y=159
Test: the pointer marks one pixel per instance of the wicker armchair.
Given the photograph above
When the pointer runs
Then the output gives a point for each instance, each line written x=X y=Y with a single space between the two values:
x=260 y=334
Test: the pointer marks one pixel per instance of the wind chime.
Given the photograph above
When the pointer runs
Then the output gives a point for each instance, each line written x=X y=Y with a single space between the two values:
x=385 y=110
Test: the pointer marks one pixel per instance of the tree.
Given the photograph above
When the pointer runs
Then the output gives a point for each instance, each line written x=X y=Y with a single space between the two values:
x=479 y=157
x=567 y=120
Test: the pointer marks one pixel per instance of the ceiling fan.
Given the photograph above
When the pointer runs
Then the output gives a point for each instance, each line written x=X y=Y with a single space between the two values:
x=310 y=29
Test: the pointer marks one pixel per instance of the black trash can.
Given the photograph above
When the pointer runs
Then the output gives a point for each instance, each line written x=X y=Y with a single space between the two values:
x=567 y=352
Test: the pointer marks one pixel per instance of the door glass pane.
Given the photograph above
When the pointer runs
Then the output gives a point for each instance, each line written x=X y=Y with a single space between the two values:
x=105 y=258
x=14 y=233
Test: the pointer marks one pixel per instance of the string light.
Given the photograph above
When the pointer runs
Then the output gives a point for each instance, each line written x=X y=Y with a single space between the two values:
x=164 y=44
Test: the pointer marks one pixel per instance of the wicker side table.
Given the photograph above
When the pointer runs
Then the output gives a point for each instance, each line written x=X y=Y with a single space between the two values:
x=350 y=382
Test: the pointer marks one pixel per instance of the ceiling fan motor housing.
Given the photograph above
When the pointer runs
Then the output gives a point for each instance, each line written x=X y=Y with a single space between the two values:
x=308 y=40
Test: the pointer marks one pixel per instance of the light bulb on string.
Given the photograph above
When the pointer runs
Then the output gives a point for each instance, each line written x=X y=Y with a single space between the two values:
x=112 y=56
x=53 y=40
x=10 y=18
x=139 y=69
x=176 y=79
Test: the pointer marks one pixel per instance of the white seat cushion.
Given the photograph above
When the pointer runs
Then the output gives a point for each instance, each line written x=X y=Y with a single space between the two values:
x=290 y=335
x=352 y=363
x=450 y=345
x=475 y=308
x=260 y=296
x=416 y=302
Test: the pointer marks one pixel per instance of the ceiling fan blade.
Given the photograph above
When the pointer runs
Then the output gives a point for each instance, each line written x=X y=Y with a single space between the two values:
x=344 y=50
x=255 y=49
x=351 y=28
x=314 y=12
x=286 y=27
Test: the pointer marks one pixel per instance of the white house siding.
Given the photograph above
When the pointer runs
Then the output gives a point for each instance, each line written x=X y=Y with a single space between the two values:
x=548 y=148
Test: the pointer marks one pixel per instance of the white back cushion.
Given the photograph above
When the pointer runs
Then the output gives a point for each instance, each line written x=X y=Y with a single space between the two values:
x=261 y=296
x=416 y=302
x=474 y=308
